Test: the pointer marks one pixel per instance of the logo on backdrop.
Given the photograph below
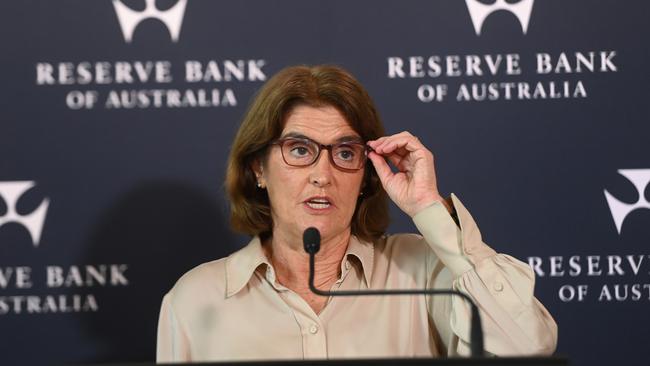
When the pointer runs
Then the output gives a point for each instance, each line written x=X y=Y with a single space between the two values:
x=57 y=280
x=640 y=178
x=150 y=84
x=11 y=192
x=623 y=275
x=507 y=76
x=479 y=12
x=129 y=19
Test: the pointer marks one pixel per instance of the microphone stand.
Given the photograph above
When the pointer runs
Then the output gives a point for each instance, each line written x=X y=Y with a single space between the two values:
x=311 y=243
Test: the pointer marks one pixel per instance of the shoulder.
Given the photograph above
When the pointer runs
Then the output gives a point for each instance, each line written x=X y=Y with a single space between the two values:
x=207 y=280
x=209 y=284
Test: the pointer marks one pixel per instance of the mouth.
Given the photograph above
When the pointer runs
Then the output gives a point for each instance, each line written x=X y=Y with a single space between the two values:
x=318 y=203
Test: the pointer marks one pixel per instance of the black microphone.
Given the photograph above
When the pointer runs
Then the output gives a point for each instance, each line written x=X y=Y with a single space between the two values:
x=311 y=242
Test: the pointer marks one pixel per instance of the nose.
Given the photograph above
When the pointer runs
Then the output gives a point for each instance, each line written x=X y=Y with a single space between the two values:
x=321 y=171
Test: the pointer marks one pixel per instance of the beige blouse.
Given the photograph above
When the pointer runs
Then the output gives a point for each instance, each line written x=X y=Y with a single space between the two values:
x=234 y=308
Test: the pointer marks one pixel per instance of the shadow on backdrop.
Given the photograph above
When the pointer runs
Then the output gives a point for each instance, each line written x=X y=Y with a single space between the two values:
x=160 y=230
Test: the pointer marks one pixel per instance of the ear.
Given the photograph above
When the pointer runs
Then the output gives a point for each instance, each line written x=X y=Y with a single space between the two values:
x=258 y=170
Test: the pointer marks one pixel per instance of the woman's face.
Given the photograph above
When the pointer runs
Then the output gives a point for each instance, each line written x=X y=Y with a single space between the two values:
x=318 y=195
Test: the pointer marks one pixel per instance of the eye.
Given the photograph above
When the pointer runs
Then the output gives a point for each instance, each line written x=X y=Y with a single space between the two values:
x=299 y=149
x=346 y=153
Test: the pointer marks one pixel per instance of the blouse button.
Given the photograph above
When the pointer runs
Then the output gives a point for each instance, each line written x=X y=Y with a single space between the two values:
x=498 y=286
x=313 y=329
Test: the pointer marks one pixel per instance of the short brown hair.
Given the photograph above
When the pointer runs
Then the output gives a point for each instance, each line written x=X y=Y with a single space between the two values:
x=315 y=86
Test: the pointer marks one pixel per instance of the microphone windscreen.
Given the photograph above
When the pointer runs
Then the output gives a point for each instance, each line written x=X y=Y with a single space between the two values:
x=311 y=240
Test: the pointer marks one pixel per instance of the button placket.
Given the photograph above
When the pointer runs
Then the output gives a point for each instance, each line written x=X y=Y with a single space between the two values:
x=314 y=340
x=312 y=331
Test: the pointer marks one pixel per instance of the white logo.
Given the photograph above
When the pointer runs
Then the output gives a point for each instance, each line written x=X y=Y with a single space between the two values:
x=33 y=222
x=640 y=178
x=479 y=12
x=129 y=18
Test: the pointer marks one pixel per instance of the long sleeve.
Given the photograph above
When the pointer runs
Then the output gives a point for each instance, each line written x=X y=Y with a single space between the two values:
x=172 y=344
x=514 y=321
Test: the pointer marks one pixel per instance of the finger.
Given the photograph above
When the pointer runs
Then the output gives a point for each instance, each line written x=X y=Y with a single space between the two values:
x=402 y=144
x=382 y=141
x=396 y=149
x=374 y=143
x=404 y=139
x=378 y=142
x=381 y=166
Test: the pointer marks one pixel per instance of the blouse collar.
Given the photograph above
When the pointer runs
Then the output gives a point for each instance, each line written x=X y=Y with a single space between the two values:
x=241 y=265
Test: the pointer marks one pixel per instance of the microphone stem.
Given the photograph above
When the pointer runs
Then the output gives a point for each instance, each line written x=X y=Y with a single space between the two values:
x=476 y=331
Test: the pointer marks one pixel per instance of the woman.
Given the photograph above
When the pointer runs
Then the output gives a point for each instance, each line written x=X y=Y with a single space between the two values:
x=311 y=151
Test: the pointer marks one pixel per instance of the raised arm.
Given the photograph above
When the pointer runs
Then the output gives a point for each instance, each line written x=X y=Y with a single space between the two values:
x=514 y=321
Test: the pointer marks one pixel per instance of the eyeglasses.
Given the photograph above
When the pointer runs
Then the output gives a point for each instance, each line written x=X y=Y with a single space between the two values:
x=347 y=156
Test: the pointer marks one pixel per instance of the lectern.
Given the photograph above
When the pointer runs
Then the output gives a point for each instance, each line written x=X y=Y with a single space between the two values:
x=454 y=361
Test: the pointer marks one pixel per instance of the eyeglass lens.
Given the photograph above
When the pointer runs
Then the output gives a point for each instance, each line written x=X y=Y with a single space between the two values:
x=302 y=152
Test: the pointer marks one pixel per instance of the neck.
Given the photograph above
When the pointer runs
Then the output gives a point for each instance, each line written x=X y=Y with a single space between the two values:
x=291 y=262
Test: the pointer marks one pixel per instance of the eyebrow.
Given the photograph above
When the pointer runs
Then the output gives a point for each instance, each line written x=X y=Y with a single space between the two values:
x=347 y=138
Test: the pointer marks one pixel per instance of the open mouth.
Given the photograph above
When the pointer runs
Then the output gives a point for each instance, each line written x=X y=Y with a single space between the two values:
x=318 y=203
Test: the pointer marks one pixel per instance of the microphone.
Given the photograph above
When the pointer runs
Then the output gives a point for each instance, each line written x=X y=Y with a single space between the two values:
x=311 y=243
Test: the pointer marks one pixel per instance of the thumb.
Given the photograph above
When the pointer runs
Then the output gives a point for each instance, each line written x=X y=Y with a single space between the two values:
x=381 y=166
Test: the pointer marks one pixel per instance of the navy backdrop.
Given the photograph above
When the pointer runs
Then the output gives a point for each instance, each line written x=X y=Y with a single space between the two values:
x=117 y=118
